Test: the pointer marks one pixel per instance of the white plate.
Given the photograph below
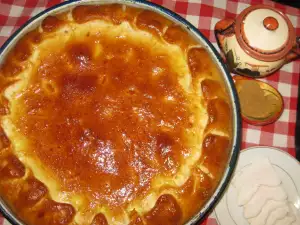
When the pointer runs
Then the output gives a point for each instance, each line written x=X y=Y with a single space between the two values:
x=288 y=169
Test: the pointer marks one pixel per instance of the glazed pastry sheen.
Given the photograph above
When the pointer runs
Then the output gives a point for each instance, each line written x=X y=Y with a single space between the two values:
x=111 y=115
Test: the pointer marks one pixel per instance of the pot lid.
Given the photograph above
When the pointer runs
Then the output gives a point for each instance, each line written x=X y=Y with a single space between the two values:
x=264 y=32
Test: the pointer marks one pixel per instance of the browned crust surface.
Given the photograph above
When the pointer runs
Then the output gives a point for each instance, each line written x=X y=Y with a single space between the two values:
x=73 y=89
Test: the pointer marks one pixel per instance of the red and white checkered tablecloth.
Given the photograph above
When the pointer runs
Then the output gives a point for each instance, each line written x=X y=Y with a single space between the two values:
x=203 y=14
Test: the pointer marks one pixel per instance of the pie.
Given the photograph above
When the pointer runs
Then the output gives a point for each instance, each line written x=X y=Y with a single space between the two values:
x=111 y=114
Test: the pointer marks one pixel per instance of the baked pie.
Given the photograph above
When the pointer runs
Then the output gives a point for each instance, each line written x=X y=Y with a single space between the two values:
x=111 y=114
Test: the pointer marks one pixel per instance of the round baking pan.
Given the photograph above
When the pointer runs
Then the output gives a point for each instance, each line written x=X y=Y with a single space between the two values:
x=193 y=31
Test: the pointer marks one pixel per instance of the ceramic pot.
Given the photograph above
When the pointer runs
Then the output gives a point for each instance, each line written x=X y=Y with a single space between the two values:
x=258 y=42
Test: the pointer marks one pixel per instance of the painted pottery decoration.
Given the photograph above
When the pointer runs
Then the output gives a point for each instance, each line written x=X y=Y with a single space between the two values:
x=258 y=42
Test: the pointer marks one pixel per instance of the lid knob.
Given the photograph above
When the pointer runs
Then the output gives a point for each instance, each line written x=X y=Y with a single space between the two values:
x=270 y=23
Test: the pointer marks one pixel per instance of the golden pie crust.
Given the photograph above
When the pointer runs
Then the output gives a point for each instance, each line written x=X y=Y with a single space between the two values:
x=111 y=115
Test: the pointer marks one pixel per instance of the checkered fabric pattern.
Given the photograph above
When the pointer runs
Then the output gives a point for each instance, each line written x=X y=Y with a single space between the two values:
x=203 y=14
